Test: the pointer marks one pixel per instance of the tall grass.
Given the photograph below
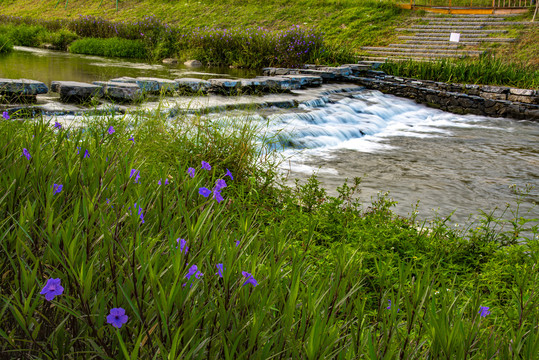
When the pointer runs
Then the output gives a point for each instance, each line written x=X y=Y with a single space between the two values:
x=333 y=279
x=487 y=70
x=113 y=47
x=6 y=45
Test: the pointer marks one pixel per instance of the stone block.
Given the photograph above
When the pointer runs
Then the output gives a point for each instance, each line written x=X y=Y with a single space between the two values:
x=493 y=96
x=521 y=92
x=74 y=91
x=121 y=92
x=494 y=89
x=24 y=87
x=224 y=86
x=520 y=98
x=305 y=80
x=193 y=85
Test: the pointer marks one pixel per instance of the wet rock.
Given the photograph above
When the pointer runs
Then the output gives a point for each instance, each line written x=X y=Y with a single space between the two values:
x=520 y=98
x=494 y=89
x=149 y=85
x=192 y=85
x=121 y=92
x=21 y=90
x=224 y=86
x=305 y=80
x=74 y=91
x=192 y=63
x=170 y=61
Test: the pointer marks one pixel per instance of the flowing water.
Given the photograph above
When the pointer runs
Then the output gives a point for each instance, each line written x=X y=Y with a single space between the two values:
x=447 y=162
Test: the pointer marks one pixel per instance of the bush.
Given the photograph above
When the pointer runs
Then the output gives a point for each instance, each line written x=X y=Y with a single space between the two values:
x=113 y=47
x=6 y=45
x=26 y=35
x=60 y=40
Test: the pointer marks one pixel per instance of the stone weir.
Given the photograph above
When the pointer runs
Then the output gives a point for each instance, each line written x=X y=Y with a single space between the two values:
x=456 y=98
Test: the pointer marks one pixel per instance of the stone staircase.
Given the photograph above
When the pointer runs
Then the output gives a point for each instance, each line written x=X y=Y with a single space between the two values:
x=428 y=39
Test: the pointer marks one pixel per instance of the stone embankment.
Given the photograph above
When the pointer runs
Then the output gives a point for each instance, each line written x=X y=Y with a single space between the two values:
x=494 y=101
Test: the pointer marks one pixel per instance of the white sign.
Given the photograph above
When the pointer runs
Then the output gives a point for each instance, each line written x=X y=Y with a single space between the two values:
x=455 y=37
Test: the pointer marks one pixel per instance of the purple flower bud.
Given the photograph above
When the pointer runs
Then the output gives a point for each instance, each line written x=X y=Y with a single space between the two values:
x=204 y=191
x=250 y=279
x=220 y=270
x=484 y=311
x=57 y=188
x=5 y=115
x=111 y=130
x=191 y=172
x=26 y=153
x=206 y=166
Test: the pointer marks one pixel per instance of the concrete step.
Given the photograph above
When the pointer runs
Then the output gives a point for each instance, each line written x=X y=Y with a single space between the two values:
x=441 y=42
x=472 y=37
x=491 y=23
x=423 y=50
x=381 y=59
x=464 y=19
x=471 y=16
x=436 y=30
x=464 y=41
x=451 y=27
x=426 y=45
x=414 y=54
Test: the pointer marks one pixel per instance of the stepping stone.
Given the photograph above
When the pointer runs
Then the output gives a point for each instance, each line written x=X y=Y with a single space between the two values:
x=224 y=86
x=23 y=90
x=281 y=83
x=74 y=91
x=305 y=80
x=193 y=85
x=149 y=85
x=121 y=92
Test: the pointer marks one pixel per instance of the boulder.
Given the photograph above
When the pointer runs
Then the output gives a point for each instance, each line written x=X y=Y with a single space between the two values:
x=192 y=63
x=74 y=91
x=224 y=86
x=170 y=61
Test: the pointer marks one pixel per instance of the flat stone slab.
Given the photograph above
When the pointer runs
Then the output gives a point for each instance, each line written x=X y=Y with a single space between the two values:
x=226 y=86
x=193 y=85
x=23 y=87
x=148 y=84
x=122 y=92
x=74 y=91
x=305 y=80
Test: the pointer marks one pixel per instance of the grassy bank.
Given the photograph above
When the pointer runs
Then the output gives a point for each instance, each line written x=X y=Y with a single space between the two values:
x=156 y=258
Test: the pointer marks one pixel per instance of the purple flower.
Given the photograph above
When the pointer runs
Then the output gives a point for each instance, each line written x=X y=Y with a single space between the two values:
x=229 y=174
x=220 y=184
x=237 y=243
x=389 y=307
x=57 y=125
x=191 y=172
x=117 y=317
x=26 y=153
x=5 y=115
x=57 y=188
x=204 y=191
x=132 y=139
x=51 y=289
x=159 y=182
x=183 y=245
x=206 y=166
x=111 y=130
x=217 y=196
x=483 y=311
x=250 y=279
x=86 y=154
x=192 y=271
x=220 y=270
x=133 y=173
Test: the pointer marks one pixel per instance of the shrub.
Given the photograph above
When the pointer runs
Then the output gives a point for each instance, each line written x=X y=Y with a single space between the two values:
x=26 y=35
x=60 y=40
x=113 y=47
x=6 y=45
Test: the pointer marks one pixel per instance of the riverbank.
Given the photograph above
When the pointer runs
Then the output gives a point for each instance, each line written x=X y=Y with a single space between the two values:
x=216 y=252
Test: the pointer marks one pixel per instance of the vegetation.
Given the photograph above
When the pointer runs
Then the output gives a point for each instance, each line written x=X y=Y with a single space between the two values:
x=486 y=70
x=5 y=44
x=119 y=239
x=113 y=47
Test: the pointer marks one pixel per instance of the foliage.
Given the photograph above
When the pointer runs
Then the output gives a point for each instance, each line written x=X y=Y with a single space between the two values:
x=24 y=35
x=304 y=275
x=60 y=39
x=6 y=45
x=112 y=47
x=487 y=70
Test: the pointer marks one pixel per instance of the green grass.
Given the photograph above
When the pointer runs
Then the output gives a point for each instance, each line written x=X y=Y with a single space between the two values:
x=113 y=47
x=326 y=267
x=6 y=45
x=487 y=70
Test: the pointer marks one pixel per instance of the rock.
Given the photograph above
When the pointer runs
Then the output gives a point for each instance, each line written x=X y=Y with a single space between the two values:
x=494 y=89
x=193 y=85
x=22 y=87
x=305 y=80
x=493 y=96
x=522 y=92
x=324 y=74
x=74 y=91
x=224 y=86
x=192 y=63
x=121 y=92
x=170 y=61
x=149 y=85
x=518 y=98
x=281 y=83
